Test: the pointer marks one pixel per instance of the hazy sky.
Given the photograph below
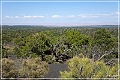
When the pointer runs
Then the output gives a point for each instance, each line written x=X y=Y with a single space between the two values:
x=60 y=13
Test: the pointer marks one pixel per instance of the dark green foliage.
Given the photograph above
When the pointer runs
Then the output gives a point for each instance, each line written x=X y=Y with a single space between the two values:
x=36 y=43
x=103 y=44
x=75 y=38
x=72 y=41
x=4 y=52
x=103 y=39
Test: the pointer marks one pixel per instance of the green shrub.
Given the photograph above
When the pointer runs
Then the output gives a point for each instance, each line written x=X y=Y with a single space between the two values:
x=48 y=58
x=34 y=55
x=86 y=68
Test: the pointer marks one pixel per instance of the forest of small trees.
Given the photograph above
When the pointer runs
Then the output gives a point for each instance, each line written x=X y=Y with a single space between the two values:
x=89 y=52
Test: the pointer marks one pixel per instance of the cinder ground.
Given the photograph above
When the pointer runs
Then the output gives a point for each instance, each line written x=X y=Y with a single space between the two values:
x=54 y=70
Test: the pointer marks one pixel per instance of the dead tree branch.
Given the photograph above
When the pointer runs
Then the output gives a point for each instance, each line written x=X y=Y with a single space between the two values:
x=106 y=53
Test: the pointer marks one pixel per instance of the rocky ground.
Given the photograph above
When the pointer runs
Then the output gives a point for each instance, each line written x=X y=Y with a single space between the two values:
x=54 y=70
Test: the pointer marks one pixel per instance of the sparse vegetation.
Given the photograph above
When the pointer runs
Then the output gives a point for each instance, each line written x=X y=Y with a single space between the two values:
x=85 y=49
x=26 y=68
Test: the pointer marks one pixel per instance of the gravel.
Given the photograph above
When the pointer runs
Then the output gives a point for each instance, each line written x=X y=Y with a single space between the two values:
x=54 y=70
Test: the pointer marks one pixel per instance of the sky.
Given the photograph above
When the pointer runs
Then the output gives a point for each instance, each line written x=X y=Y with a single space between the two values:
x=60 y=13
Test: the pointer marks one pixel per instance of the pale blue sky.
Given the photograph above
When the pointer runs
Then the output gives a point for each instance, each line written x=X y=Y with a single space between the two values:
x=59 y=13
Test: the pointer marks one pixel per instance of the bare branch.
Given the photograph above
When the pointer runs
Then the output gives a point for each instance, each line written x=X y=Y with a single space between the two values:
x=111 y=61
x=106 y=53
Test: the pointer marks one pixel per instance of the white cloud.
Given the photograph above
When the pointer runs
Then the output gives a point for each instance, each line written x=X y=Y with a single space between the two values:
x=11 y=17
x=24 y=16
x=84 y=16
x=98 y=14
x=115 y=14
x=38 y=16
x=89 y=14
x=81 y=15
x=7 y=16
x=27 y=16
x=102 y=14
x=57 y=16
x=34 y=16
x=71 y=16
x=118 y=13
x=41 y=16
x=16 y=16
x=94 y=16
x=105 y=14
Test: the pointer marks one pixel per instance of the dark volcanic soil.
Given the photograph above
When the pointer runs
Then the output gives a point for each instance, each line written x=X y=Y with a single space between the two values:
x=54 y=70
